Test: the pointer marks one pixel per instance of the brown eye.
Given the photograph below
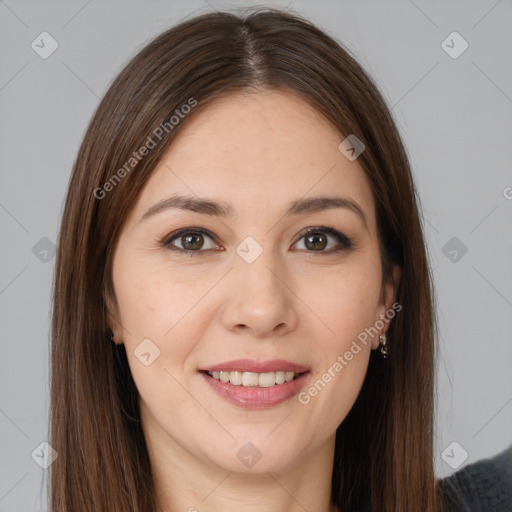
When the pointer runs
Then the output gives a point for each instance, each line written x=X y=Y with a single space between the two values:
x=189 y=241
x=317 y=240
x=192 y=241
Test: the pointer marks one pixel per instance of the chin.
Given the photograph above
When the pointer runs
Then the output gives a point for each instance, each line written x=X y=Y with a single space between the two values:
x=255 y=457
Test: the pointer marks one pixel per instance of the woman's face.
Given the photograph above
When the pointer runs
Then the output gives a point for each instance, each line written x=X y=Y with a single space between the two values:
x=254 y=286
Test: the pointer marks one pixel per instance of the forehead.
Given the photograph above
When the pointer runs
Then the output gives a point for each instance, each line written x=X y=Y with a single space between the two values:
x=258 y=152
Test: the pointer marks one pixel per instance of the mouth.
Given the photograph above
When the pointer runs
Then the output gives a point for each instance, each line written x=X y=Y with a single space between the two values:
x=254 y=379
x=256 y=390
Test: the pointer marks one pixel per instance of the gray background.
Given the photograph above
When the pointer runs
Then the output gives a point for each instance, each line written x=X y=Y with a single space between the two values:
x=455 y=118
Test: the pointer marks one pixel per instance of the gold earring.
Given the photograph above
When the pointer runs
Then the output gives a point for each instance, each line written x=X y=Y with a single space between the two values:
x=383 y=345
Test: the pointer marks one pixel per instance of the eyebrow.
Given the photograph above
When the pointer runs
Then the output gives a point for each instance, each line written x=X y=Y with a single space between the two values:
x=222 y=209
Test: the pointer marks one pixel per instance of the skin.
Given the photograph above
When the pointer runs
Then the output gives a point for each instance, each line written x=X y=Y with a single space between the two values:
x=258 y=152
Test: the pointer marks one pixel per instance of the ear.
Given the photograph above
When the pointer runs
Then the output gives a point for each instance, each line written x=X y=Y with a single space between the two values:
x=112 y=316
x=386 y=301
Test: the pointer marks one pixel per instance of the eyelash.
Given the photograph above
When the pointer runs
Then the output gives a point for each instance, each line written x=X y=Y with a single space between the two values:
x=346 y=242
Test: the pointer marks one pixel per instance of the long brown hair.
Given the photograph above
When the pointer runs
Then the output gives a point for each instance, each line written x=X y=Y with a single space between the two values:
x=384 y=447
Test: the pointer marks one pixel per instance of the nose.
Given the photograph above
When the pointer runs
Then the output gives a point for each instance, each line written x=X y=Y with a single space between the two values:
x=260 y=298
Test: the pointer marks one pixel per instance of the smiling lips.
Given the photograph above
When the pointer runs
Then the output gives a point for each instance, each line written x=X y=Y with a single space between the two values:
x=252 y=384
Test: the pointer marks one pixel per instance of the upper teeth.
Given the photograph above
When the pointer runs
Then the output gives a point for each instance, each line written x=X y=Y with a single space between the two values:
x=264 y=380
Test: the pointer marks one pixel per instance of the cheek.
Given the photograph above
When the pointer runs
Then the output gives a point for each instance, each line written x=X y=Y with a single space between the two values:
x=152 y=298
x=346 y=302
x=154 y=306
x=157 y=336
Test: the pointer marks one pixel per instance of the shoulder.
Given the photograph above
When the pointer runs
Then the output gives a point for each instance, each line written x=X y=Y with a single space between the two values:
x=484 y=485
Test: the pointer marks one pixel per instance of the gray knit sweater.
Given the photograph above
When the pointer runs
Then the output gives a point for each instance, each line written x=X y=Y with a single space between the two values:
x=483 y=486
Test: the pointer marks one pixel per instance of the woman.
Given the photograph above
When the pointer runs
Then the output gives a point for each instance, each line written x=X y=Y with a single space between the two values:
x=243 y=309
